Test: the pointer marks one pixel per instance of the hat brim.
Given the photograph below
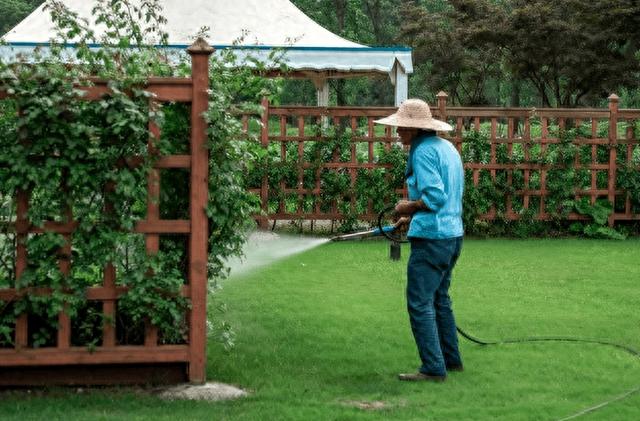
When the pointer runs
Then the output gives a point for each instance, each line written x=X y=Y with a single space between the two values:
x=423 y=123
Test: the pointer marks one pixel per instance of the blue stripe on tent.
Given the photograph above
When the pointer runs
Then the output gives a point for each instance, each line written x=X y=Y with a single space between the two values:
x=237 y=47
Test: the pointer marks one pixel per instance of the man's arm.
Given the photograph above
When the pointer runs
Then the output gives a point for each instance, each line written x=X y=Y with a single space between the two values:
x=409 y=207
x=428 y=180
x=429 y=184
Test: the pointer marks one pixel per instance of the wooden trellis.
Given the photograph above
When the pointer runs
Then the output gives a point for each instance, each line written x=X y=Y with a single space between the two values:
x=362 y=154
x=111 y=362
x=602 y=137
x=609 y=131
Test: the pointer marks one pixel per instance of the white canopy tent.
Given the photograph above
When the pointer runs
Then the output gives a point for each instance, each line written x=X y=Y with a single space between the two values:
x=311 y=51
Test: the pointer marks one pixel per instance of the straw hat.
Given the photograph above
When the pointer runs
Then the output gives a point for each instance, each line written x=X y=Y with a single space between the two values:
x=415 y=113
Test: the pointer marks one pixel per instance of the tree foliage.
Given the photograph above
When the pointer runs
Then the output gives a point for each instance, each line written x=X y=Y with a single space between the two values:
x=573 y=52
x=13 y=11
x=370 y=22
x=570 y=53
x=456 y=46
x=498 y=52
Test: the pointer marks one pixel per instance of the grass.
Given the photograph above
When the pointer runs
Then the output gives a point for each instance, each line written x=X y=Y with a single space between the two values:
x=327 y=328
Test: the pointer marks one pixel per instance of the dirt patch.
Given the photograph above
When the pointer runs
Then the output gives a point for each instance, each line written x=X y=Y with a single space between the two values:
x=368 y=405
x=205 y=392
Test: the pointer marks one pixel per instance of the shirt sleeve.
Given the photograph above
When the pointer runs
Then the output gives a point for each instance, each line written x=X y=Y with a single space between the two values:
x=429 y=181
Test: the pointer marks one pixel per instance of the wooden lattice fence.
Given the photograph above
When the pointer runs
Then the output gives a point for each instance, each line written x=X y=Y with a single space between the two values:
x=518 y=139
x=307 y=127
x=111 y=362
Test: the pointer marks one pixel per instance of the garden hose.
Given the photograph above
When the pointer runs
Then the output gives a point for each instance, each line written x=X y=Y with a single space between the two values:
x=397 y=238
x=632 y=351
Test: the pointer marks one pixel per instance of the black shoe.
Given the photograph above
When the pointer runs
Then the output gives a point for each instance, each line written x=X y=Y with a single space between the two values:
x=417 y=377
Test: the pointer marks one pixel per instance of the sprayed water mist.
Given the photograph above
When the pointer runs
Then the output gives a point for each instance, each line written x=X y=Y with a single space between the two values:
x=264 y=248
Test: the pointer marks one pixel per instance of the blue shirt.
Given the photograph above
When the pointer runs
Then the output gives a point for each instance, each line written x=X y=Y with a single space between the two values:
x=435 y=175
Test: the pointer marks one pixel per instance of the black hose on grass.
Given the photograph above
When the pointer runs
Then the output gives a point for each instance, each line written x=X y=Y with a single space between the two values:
x=634 y=352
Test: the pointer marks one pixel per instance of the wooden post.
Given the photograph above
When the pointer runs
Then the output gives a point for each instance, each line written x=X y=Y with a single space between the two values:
x=301 y=192
x=613 y=152
x=442 y=105
x=494 y=142
x=442 y=115
x=152 y=241
x=109 y=283
x=22 y=225
x=283 y=158
x=64 y=322
x=200 y=51
x=509 y=198
x=263 y=220
x=527 y=138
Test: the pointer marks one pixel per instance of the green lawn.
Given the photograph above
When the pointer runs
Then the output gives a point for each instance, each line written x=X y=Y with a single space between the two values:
x=328 y=327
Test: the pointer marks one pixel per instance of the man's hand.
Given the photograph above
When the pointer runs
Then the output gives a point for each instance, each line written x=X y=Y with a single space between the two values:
x=409 y=207
x=403 y=222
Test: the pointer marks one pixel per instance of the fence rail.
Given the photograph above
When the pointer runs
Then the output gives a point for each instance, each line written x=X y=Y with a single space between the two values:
x=610 y=134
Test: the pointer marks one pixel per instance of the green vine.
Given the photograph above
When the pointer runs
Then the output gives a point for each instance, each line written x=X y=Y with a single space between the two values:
x=628 y=174
x=373 y=187
x=486 y=194
x=72 y=157
x=64 y=151
x=562 y=182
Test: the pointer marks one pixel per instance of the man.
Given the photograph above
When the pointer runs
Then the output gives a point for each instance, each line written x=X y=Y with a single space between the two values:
x=435 y=181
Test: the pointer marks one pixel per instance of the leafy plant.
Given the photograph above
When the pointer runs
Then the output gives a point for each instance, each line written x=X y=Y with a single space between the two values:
x=72 y=156
x=599 y=213
x=628 y=178
x=563 y=180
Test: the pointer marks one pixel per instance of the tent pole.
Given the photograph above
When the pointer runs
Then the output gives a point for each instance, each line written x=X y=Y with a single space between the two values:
x=321 y=83
x=322 y=91
x=401 y=83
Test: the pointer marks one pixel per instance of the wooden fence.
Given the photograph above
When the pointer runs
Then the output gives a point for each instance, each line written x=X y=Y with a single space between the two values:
x=610 y=136
x=111 y=362
x=306 y=124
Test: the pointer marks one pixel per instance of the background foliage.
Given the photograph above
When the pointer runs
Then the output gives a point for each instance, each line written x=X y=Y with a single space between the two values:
x=380 y=187
x=498 y=52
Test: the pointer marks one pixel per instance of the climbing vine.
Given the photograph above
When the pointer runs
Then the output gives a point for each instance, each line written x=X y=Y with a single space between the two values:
x=564 y=179
x=330 y=189
x=72 y=157
x=483 y=195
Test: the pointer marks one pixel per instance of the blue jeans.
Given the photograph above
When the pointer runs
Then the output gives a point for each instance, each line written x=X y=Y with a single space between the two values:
x=429 y=304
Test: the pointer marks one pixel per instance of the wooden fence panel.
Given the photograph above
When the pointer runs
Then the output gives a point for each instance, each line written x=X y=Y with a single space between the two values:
x=299 y=197
x=519 y=138
x=109 y=353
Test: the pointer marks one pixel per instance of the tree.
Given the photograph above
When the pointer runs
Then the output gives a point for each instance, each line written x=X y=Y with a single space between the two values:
x=368 y=22
x=575 y=51
x=13 y=11
x=454 y=46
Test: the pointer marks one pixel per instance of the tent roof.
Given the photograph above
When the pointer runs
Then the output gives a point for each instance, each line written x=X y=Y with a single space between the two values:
x=262 y=23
